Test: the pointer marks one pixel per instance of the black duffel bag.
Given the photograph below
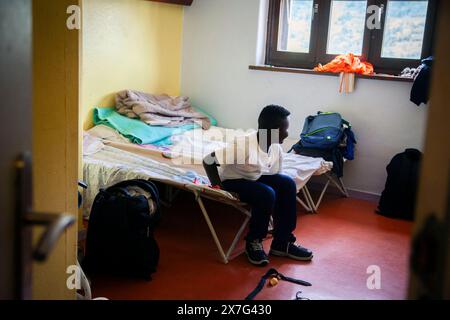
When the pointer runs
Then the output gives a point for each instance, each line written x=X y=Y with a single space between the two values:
x=120 y=237
x=398 y=199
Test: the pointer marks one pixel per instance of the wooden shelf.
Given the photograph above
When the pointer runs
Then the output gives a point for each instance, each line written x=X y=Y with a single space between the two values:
x=180 y=2
x=309 y=71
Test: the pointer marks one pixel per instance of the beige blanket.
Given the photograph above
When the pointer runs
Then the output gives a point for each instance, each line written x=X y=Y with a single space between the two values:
x=159 y=110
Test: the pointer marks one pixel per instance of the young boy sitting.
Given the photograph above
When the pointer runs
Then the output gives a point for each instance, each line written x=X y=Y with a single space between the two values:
x=250 y=167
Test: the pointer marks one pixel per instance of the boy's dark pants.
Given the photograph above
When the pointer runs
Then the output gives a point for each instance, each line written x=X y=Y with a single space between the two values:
x=270 y=195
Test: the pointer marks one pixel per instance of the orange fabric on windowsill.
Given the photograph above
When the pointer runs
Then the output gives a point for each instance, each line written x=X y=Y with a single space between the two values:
x=346 y=63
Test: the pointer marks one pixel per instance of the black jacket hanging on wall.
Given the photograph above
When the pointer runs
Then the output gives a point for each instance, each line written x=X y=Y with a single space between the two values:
x=421 y=87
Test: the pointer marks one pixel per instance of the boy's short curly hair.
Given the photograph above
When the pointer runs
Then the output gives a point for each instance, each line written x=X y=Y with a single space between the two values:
x=272 y=116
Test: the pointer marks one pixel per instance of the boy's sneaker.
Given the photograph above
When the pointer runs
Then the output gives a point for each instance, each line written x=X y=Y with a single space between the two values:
x=291 y=250
x=255 y=253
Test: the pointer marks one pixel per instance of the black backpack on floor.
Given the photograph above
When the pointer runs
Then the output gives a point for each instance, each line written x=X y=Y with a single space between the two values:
x=398 y=199
x=120 y=237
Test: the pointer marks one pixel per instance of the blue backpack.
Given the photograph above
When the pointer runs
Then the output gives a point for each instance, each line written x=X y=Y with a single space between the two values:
x=323 y=131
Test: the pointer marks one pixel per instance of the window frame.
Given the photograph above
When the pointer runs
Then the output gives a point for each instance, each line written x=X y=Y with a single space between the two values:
x=372 y=39
x=396 y=65
x=322 y=41
x=287 y=58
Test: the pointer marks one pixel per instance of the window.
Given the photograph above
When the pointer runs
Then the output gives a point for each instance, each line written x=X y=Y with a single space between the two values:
x=295 y=29
x=391 y=34
x=404 y=29
x=346 y=27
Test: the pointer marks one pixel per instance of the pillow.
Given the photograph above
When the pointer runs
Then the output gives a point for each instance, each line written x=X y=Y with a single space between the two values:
x=107 y=133
x=91 y=144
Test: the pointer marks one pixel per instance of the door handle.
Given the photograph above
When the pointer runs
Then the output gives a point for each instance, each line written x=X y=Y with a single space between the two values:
x=55 y=225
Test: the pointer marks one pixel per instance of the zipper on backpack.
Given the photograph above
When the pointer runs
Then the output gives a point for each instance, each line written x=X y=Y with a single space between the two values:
x=317 y=131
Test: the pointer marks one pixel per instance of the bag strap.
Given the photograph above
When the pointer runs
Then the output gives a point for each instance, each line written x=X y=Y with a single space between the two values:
x=326 y=113
x=308 y=120
x=273 y=272
x=345 y=122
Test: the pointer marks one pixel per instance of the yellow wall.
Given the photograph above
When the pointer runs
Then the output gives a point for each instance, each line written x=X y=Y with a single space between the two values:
x=55 y=137
x=128 y=44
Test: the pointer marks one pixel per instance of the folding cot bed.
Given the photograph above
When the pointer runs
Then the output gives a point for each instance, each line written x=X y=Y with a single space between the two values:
x=109 y=158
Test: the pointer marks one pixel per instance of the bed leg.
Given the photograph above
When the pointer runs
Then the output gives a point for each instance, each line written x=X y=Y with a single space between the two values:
x=339 y=184
x=237 y=237
x=211 y=228
x=308 y=204
x=322 y=194
x=310 y=200
x=303 y=204
x=343 y=187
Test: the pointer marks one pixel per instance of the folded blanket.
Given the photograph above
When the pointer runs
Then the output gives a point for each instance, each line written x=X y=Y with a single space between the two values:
x=161 y=110
x=137 y=131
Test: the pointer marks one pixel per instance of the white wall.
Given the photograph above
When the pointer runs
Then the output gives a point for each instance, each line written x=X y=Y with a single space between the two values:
x=221 y=40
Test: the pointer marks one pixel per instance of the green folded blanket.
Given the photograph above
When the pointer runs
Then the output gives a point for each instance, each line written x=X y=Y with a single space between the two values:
x=137 y=131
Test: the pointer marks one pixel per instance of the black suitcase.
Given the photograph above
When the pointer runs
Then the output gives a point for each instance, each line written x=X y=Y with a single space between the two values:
x=120 y=237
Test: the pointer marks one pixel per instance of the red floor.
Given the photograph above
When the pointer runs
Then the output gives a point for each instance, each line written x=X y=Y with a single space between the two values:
x=346 y=236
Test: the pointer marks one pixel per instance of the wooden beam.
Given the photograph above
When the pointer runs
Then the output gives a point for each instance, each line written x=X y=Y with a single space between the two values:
x=181 y=2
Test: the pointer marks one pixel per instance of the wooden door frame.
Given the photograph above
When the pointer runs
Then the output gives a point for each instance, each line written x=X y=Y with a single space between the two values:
x=56 y=85
x=430 y=259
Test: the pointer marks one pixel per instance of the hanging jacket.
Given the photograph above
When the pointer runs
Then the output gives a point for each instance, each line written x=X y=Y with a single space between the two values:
x=349 y=150
x=421 y=87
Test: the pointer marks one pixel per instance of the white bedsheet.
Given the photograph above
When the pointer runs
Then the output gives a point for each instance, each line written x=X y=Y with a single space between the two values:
x=301 y=168
x=104 y=167
x=111 y=165
x=196 y=144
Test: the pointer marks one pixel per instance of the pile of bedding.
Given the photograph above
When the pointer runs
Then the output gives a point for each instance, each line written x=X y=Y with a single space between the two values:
x=159 y=110
x=139 y=132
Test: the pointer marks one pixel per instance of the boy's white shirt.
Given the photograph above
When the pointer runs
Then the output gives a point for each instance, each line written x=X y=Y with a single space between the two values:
x=244 y=159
